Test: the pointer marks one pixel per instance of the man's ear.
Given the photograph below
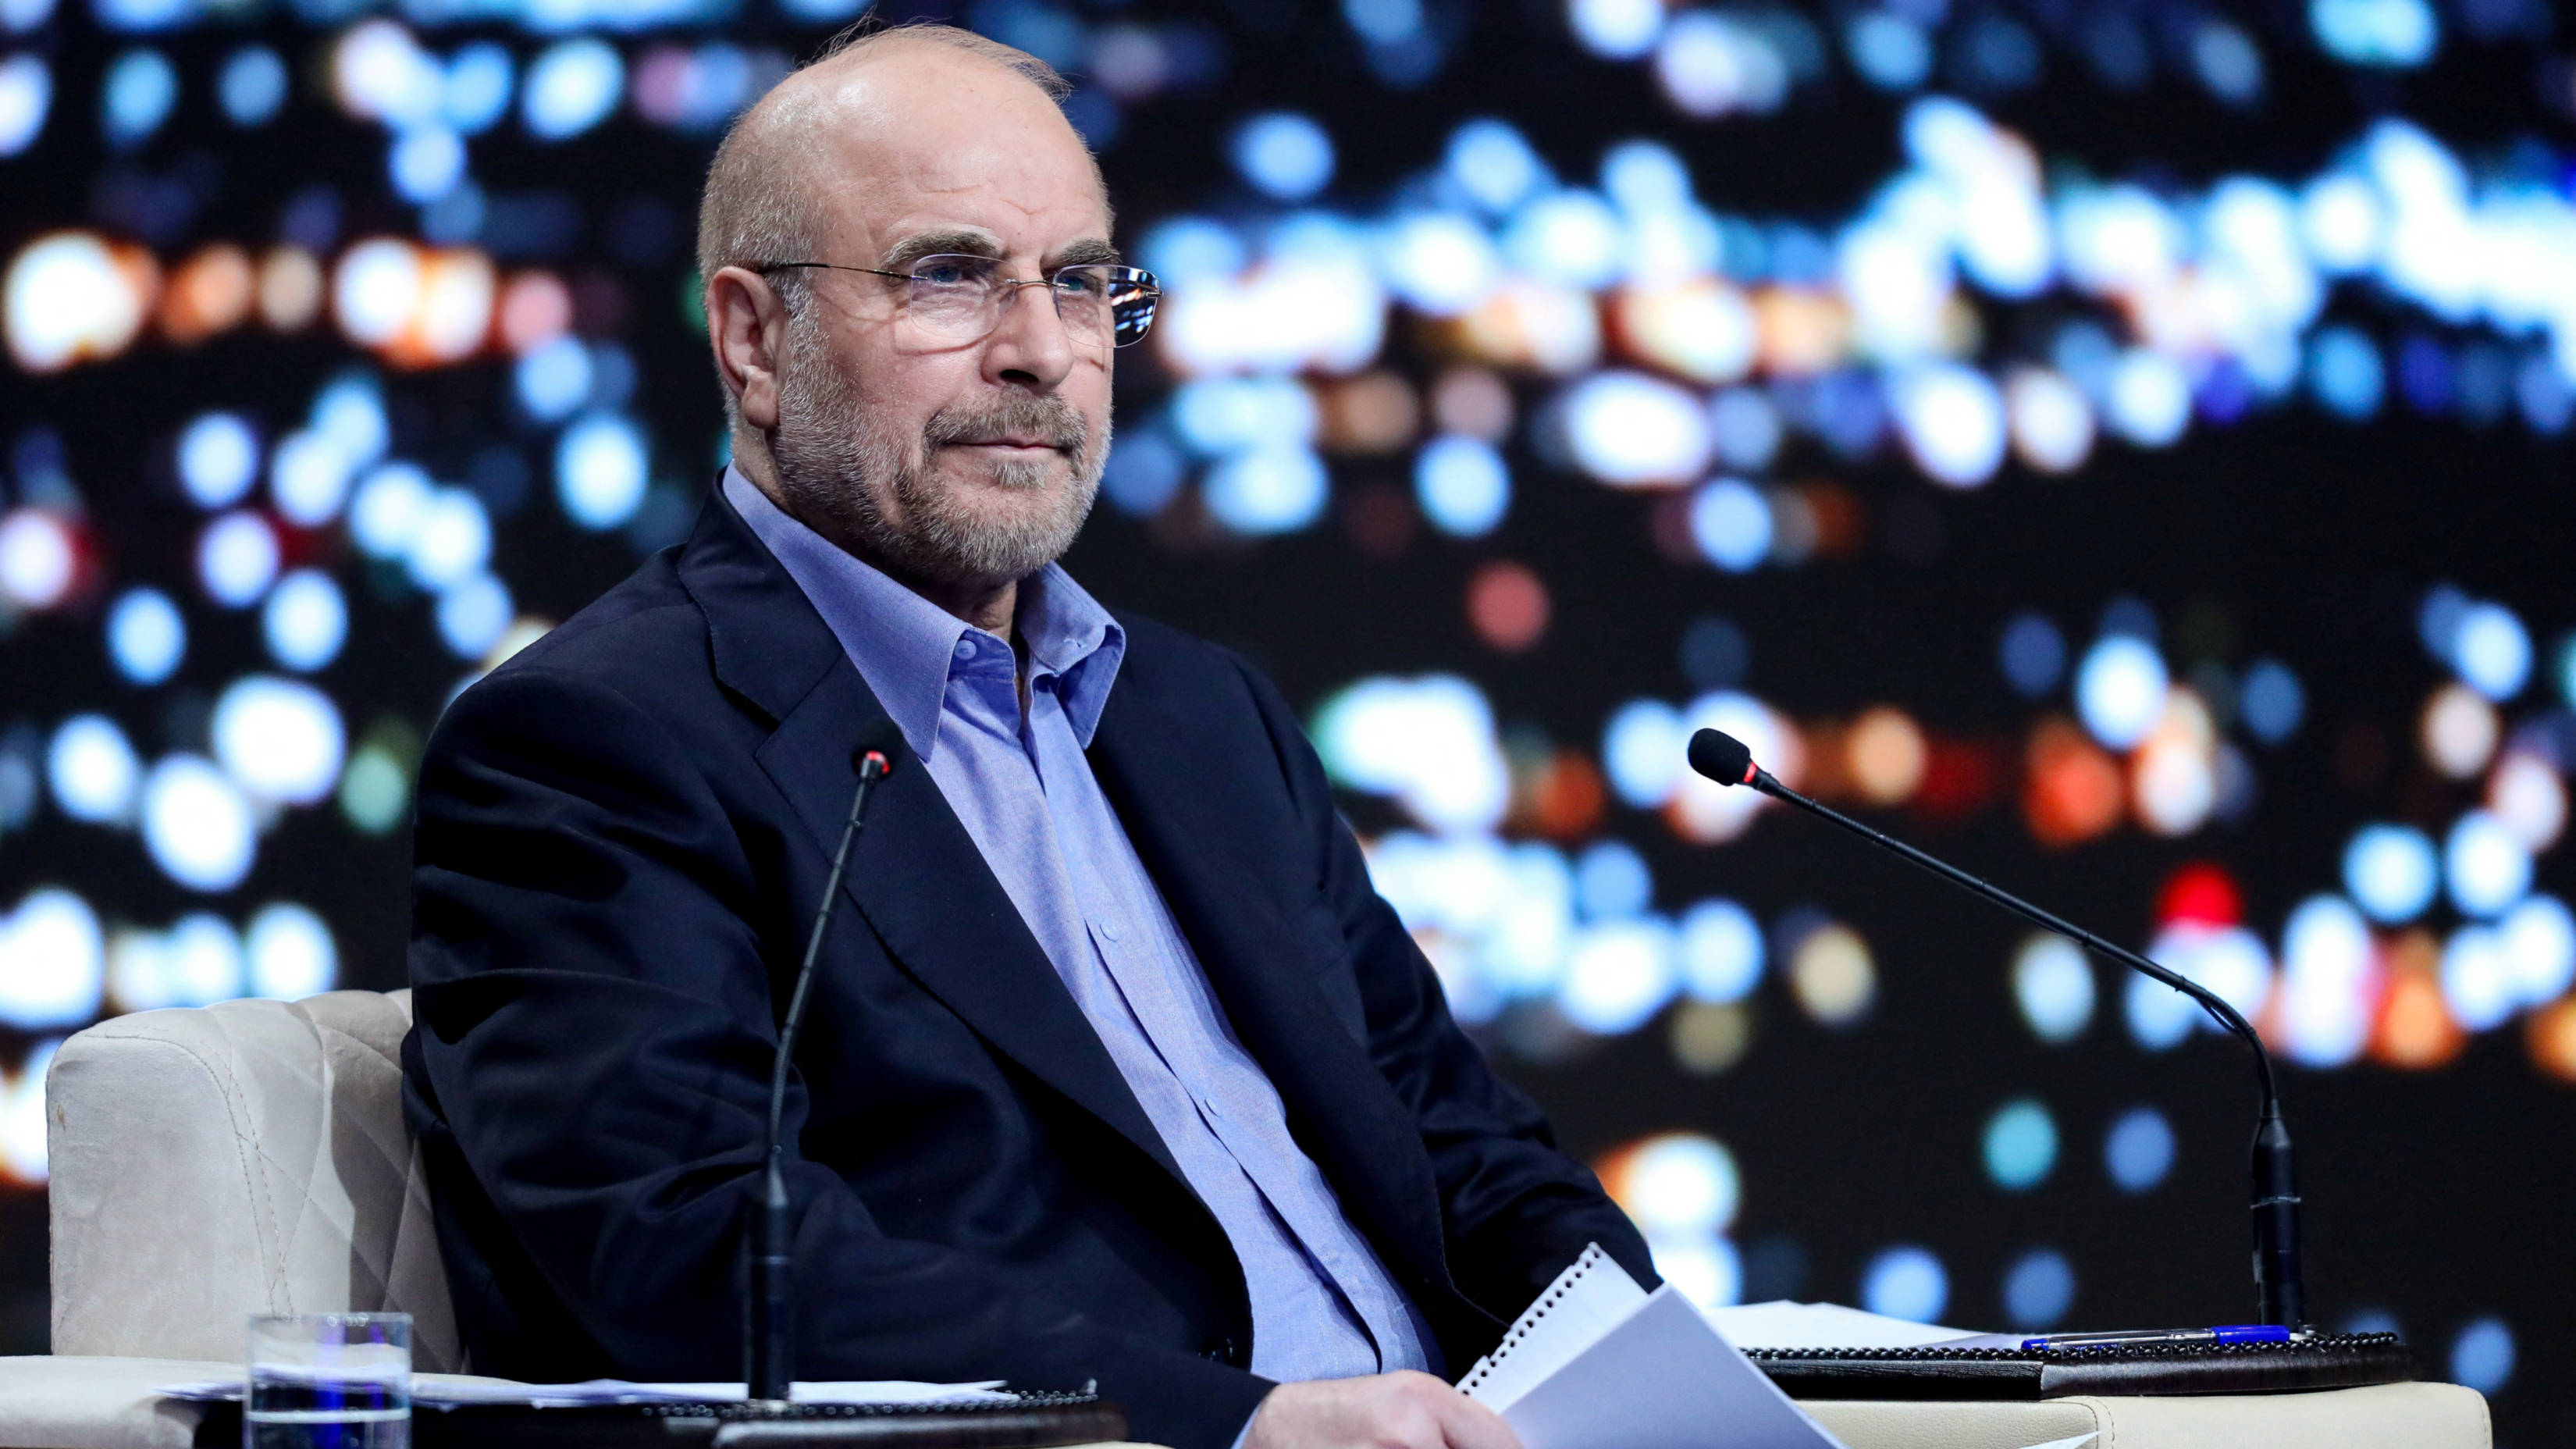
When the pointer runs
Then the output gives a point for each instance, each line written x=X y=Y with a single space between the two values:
x=747 y=327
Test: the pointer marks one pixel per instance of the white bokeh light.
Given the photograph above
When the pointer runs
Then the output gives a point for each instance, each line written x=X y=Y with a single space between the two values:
x=92 y=770
x=237 y=559
x=2483 y=866
x=390 y=504
x=281 y=739
x=1720 y=952
x=1618 y=974
x=600 y=471
x=451 y=540
x=2477 y=978
x=305 y=620
x=2120 y=690
x=1953 y=420
x=53 y=961
x=289 y=952
x=2054 y=986
x=2391 y=872
x=2539 y=937
x=1428 y=742
x=309 y=478
x=197 y=824
x=1628 y=430
x=1681 y=1185
x=38 y=561
x=1642 y=751
x=218 y=459
x=2327 y=987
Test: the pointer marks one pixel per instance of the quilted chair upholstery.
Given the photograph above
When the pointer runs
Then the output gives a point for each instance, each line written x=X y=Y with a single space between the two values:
x=249 y=1157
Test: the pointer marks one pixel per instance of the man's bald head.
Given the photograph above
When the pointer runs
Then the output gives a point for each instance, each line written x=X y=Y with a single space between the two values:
x=957 y=450
x=767 y=186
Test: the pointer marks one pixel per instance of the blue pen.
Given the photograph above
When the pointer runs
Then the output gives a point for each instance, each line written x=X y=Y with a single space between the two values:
x=2229 y=1333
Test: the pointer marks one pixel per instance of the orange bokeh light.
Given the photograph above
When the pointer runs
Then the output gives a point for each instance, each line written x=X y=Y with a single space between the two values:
x=1565 y=797
x=2551 y=1035
x=1803 y=332
x=535 y=308
x=2415 y=1030
x=211 y=292
x=1508 y=605
x=2073 y=791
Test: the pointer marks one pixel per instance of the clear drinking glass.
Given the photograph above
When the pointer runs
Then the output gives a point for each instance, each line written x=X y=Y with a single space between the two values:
x=328 y=1381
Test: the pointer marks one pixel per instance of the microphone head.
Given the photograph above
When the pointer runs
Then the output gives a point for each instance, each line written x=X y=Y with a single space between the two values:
x=1722 y=757
x=878 y=737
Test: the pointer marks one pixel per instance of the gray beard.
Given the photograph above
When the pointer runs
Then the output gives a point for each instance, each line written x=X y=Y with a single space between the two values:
x=833 y=453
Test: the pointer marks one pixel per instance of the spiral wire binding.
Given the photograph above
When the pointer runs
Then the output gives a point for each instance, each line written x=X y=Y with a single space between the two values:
x=2322 y=1344
x=1492 y=1363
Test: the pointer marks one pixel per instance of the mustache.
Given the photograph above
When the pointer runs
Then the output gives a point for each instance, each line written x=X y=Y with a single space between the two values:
x=1050 y=420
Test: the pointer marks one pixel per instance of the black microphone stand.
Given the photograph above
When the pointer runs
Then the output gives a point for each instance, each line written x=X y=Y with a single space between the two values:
x=769 y=1367
x=2280 y=1297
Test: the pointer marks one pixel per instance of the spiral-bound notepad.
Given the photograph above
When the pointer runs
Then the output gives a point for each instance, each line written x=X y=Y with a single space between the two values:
x=1599 y=1363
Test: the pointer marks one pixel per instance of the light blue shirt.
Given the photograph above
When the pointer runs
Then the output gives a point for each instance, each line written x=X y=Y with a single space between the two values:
x=1323 y=1305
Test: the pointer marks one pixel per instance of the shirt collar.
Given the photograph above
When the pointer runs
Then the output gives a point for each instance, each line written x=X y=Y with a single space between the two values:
x=905 y=646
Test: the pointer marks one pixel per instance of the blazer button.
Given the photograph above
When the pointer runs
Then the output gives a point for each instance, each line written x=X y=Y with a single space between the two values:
x=1220 y=1347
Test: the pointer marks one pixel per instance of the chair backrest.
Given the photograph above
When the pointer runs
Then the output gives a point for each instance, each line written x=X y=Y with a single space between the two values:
x=210 y=1163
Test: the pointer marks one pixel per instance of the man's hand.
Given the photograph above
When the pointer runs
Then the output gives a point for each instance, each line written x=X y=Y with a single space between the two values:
x=1384 y=1411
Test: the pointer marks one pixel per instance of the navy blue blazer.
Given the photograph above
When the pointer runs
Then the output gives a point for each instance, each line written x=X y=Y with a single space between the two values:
x=623 y=834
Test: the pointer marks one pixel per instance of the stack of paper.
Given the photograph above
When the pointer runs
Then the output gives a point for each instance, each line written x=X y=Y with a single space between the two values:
x=452 y=1391
x=1599 y=1363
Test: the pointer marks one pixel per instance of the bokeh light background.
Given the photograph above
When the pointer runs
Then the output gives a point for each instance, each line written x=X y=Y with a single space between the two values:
x=2124 y=446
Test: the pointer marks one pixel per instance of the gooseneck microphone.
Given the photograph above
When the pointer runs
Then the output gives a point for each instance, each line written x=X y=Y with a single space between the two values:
x=769 y=1337
x=2278 y=1293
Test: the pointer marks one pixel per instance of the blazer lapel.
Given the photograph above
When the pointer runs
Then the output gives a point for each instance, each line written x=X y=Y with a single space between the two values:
x=916 y=876
x=1342 y=1110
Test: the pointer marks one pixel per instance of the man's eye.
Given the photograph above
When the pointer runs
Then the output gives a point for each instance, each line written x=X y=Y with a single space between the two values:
x=1081 y=282
x=944 y=272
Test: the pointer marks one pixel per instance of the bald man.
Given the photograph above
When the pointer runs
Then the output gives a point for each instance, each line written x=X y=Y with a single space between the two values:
x=1116 y=1070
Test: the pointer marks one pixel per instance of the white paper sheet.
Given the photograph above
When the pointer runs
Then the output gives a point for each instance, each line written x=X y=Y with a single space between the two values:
x=1664 y=1379
x=1782 y=1324
x=437 y=1391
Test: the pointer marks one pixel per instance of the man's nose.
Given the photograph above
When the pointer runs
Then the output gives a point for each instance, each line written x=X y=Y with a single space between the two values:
x=1031 y=347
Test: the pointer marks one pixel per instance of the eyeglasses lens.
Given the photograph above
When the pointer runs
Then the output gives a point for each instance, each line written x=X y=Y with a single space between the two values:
x=963 y=296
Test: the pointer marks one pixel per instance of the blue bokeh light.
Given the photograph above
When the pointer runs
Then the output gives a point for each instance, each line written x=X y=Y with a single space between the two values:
x=2020 y=1146
x=1286 y=156
x=2033 y=654
x=1906 y=1282
x=139 y=91
x=252 y=85
x=1731 y=523
x=146 y=636
x=2270 y=701
x=2039 y=1288
x=2482 y=1356
x=1463 y=485
x=2390 y=872
x=305 y=620
x=2139 y=1152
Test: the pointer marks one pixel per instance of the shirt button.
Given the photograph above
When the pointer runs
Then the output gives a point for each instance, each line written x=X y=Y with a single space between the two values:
x=965 y=648
x=1106 y=929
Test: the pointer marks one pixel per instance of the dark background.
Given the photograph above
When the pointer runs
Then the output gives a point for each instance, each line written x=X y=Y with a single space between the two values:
x=2435 y=1198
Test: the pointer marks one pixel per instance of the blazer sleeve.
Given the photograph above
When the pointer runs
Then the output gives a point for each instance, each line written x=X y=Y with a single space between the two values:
x=595 y=1031
x=1515 y=1209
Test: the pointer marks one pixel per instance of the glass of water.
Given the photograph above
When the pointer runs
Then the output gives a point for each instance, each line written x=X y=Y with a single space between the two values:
x=328 y=1381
